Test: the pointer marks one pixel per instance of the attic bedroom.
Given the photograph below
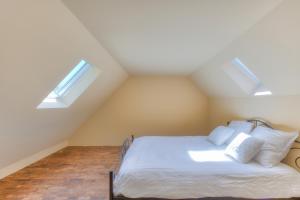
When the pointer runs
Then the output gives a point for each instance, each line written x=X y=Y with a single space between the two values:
x=149 y=99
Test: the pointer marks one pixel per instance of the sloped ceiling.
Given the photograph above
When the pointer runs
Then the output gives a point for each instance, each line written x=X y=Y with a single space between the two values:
x=270 y=49
x=167 y=36
x=40 y=42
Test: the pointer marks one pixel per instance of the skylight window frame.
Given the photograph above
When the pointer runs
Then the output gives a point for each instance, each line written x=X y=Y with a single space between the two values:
x=245 y=78
x=71 y=87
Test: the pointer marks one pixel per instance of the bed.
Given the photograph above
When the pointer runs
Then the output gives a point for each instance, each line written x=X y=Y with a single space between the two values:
x=190 y=167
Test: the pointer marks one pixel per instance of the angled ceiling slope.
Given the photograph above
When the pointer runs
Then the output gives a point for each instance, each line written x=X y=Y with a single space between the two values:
x=41 y=41
x=270 y=49
x=167 y=36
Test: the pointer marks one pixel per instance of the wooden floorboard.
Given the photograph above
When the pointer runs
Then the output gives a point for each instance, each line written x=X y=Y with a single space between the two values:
x=74 y=173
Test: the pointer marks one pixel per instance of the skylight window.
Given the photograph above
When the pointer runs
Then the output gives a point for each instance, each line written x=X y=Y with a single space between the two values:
x=71 y=87
x=245 y=78
x=70 y=79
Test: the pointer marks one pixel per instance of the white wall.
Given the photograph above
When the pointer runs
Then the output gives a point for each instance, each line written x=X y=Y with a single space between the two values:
x=40 y=42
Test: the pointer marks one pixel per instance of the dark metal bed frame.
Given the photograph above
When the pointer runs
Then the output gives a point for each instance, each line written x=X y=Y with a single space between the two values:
x=128 y=142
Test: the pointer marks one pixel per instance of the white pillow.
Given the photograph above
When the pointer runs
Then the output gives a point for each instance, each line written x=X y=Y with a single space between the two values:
x=244 y=147
x=220 y=134
x=239 y=127
x=276 y=145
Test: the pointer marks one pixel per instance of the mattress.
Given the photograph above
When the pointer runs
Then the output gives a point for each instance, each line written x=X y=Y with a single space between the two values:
x=192 y=167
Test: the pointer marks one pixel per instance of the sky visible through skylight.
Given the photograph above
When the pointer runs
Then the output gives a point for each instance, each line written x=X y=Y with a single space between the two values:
x=71 y=78
x=246 y=70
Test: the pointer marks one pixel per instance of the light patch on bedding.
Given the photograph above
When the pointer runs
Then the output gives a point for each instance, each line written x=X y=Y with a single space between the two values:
x=208 y=156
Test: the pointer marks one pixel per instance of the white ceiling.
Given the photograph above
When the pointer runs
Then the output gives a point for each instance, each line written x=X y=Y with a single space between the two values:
x=167 y=36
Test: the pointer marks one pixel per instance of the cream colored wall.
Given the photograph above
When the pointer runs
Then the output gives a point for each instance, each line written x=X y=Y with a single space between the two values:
x=282 y=111
x=147 y=105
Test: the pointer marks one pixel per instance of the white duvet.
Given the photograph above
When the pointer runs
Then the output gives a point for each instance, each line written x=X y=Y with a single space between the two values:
x=192 y=167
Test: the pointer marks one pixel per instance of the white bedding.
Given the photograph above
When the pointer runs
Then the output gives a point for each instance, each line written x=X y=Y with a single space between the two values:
x=192 y=167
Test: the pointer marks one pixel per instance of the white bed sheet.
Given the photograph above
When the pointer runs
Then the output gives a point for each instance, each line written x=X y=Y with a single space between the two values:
x=192 y=167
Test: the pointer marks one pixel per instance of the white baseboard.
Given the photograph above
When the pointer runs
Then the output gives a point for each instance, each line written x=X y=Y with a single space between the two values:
x=12 y=168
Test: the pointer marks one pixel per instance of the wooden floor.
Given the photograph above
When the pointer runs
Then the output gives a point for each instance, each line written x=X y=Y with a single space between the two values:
x=77 y=173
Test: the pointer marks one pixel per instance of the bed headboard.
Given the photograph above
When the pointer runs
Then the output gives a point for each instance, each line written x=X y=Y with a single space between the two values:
x=125 y=146
x=258 y=122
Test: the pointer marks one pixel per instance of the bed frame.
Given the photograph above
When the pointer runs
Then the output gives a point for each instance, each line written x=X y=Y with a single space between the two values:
x=255 y=121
